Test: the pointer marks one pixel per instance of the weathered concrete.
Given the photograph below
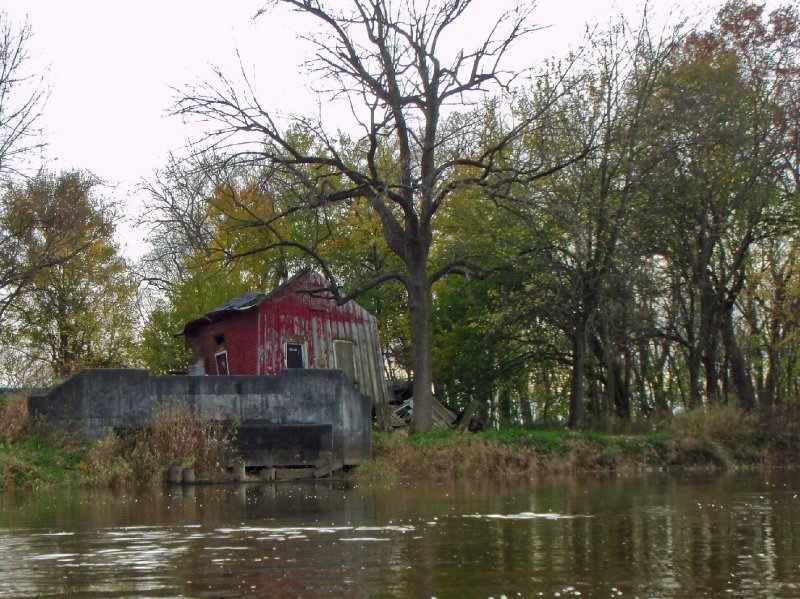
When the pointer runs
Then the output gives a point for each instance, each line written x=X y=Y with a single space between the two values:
x=264 y=445
x=96 y=400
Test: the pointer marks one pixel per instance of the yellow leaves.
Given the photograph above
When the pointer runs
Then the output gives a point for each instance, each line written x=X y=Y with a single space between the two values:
x=77 y=308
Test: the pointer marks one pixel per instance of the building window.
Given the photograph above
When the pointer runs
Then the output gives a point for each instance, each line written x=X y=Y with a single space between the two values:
x=221 y=358
x=345 y=358
x=295 y=355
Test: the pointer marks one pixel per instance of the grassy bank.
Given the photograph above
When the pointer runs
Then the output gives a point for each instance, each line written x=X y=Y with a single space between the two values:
x=717 y=438
x=39 y=460
x=32 y=456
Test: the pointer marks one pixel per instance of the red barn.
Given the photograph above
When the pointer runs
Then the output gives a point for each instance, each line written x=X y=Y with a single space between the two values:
x=290 y=327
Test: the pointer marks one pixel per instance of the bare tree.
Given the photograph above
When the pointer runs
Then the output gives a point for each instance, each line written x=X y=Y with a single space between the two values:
x=21 y=100
x=22 y=96
x=388 y=61
x=176 y=217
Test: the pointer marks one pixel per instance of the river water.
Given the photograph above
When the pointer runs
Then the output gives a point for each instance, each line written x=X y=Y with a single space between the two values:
x=657 y=535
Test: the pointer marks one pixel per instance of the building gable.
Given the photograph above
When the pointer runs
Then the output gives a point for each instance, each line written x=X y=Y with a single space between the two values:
x=297 y=325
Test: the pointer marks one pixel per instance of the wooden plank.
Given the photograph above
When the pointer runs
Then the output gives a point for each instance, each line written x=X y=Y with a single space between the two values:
x=441 y=415
x=328 y=469
x=293 y=473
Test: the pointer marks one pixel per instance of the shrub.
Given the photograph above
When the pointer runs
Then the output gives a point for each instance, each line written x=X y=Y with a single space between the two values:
x=719 y=422
x=15 y=422
x=176 y=436
x=719 y=434
x=173 y=436
x=106 y=462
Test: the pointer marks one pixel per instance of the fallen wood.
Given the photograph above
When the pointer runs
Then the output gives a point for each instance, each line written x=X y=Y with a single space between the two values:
x=441 y=417
x=293 y=473
x=469 y=413
x=327 y=469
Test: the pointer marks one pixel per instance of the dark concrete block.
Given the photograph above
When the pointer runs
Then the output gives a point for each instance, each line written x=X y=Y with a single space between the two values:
x=96 y=400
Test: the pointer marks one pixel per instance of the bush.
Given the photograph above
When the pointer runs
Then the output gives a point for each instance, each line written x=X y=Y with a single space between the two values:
x=173 y=436
x=176 y=436
x=15 y=423
x=106 y=463
x=719 y=434
x=719 y=422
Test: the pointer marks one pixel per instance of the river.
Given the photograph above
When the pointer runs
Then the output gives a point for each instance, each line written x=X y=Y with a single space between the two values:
x=655 y=535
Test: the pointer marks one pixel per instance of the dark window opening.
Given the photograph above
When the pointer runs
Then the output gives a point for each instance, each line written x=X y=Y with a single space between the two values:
x=294 y=355
x=219 y=339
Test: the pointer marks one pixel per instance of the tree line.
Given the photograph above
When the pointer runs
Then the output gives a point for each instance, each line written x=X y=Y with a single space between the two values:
x=609 y=237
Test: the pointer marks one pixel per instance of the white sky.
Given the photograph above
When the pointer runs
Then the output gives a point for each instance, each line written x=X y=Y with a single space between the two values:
x=112 y=65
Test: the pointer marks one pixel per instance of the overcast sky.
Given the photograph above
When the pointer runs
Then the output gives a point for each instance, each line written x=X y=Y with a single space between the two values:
x=112 y=67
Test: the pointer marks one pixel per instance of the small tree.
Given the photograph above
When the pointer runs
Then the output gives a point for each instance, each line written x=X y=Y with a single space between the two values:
x=78 y=312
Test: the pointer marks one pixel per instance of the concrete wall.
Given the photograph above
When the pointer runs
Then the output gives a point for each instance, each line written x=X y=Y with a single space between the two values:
x=96 y=400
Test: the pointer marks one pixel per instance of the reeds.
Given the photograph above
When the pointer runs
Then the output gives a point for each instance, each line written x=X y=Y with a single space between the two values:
x=173 y=436
x=719 y=436
x=15 y=423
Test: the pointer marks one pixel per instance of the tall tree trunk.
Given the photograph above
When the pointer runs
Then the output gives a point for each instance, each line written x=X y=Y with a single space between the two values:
x=576 y=401
x=523 y=390
x=693 y=363
x=742 y=384
x=658 y=386
x=503 y=407
x=548 y=395
x=622 y=395
x=708 y=348
x=693 y=354
x=525 y=410
x=419 y=300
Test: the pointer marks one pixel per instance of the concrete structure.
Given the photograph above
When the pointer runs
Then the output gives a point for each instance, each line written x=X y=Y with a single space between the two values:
x=296 y=326
x=96 y=400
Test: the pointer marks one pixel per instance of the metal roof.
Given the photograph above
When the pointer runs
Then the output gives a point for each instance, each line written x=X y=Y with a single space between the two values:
x=243 y=302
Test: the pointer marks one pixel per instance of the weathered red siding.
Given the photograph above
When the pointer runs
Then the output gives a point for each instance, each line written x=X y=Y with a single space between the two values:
x=255 y=338
x=292 y=316
x=239 y=330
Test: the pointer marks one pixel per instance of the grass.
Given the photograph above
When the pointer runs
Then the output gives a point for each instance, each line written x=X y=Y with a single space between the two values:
x=30 y=456
x=40 y=460
x=714 y=437
x=33 y=456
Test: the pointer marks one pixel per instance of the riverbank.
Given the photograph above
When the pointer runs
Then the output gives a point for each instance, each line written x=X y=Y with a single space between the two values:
x=719 y=438
x=32 y=455
x=43 y=459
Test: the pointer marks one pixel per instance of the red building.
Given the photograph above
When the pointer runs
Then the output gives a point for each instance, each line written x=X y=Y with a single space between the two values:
x=290 y=327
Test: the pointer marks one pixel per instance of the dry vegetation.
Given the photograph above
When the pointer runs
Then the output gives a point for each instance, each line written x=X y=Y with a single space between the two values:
x=715 y=437
x=31 y=455
x=174 y=436
x=14 y=420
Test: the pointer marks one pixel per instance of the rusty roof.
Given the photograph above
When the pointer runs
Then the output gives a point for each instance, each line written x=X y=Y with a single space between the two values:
x=244 y=302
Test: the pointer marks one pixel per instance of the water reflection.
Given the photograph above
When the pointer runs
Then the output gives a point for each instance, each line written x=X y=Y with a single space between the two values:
x=656 y=536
